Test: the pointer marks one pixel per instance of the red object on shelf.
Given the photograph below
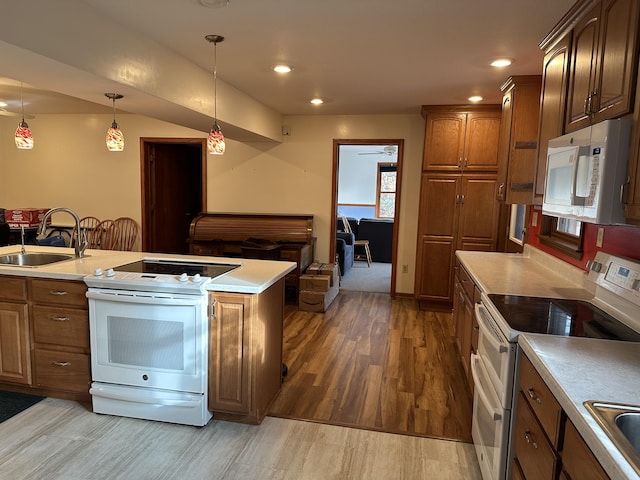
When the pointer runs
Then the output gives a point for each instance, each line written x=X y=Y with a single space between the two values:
x=24 y=217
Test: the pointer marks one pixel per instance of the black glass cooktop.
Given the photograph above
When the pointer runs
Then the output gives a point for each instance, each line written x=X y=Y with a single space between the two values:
x=160 y=267
x=569 y=318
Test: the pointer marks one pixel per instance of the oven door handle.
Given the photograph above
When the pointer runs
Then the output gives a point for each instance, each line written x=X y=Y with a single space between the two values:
x=480 y=386
x=492 y=338
x=144 y=298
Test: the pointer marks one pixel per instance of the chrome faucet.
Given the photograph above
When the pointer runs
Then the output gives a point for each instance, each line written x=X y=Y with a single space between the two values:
x=22 y=249
x=81 y=236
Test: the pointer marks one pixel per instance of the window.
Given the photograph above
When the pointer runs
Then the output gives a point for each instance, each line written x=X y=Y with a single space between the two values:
x=386 y=190
x=562 y=234
x=516 y=226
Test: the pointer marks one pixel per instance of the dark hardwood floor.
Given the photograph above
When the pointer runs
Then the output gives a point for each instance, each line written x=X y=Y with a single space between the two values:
x=375 y=363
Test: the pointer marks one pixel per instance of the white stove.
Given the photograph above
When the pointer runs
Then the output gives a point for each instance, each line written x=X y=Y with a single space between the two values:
x=163 y=275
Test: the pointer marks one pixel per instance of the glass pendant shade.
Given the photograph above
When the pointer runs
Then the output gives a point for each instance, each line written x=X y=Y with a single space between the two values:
x=215 y=141
x=24 y=137
x=115 y=138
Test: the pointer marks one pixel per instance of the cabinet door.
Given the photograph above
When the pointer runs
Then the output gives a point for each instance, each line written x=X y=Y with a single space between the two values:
x=584 y=59
x=504 y=144
x=444 y=141
x=477 y=225
x=555 y=70
x=437 y=230
x=229 y=355
x=481 y=141
x=15 y=354
x=577 y=459
x=617 y=59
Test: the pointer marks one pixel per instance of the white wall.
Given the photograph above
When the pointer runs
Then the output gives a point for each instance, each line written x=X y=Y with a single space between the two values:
x=71 y=167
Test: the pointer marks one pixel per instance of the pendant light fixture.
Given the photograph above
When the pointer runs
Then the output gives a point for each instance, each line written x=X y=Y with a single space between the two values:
x=115 y=138
x=23 y=136
x=215 y=141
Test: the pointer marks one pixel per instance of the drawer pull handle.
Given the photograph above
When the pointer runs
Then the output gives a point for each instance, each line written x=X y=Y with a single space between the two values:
x=58 y=293
x=59 y=319
x=61 y=364
x=533 y=396
x=527 y=436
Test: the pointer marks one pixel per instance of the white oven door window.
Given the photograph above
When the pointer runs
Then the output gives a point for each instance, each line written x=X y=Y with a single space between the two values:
x=490 y=424
x=148 y=341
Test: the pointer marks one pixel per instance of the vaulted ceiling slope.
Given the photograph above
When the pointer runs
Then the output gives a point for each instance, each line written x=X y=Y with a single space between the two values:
x=361 y=56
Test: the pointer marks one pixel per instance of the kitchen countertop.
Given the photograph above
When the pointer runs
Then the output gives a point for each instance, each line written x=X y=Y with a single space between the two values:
x=254 y=276
x=575 y=369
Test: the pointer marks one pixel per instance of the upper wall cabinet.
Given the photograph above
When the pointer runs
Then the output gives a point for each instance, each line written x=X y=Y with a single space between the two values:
x=518 y=139
x=461 y=138
x=603 y=69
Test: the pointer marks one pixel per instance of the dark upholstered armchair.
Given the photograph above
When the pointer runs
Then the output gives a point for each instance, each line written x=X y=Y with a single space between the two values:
x=344 y=250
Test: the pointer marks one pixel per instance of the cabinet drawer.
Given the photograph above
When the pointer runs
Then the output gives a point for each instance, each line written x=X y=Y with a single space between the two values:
x=62 y=370
x=68 y=327
x=12 y=288
x=59 y=292
x=533 y=451
x=541 y=400
x=577 y=459
x=466 y=282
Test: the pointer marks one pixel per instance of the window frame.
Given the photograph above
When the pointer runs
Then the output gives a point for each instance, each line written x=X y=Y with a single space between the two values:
x=563 y=242
x=380 y=168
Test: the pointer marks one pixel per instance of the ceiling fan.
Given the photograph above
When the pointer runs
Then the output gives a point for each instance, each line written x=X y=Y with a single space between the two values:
x=388 y=150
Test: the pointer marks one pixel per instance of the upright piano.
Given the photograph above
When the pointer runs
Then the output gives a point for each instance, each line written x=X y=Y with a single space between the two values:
x=265 y=236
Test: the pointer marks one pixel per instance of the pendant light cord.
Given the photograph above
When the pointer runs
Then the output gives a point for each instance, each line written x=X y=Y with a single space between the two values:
x=215 y=83
x=21 y=103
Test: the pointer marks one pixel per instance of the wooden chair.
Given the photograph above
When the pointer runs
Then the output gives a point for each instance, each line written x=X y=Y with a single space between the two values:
x=87 y=224
x=358 y=243
x=127 y=233
x=104 y=236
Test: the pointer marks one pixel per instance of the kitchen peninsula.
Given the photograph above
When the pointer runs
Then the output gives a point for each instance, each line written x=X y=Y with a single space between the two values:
x=45 y=331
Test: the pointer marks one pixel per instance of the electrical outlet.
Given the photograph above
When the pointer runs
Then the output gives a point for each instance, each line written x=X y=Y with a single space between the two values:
x=405 y=268
x=600 y=237
x=534 y=219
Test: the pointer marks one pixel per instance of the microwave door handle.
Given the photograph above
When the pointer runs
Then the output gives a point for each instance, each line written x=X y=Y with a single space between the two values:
x=579 y=174
x=475 y=365
x=494 y=341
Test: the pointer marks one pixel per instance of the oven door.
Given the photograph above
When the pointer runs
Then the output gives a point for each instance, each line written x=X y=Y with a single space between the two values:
x=147 y=339
x=490 y=425
x=498 y=355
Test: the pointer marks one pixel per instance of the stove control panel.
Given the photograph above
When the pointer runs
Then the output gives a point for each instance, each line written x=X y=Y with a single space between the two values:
x=616 y=274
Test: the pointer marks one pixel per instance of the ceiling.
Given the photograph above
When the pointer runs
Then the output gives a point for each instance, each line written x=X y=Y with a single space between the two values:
x=360 y=56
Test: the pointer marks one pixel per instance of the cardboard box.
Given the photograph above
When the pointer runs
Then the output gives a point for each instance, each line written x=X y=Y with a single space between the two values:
x=329 y=269
x=316 y=283
x=24 y=217
x=317 y=301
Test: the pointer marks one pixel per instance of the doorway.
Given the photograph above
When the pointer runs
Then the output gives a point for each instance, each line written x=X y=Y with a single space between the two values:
x=173 y=191
x=364 y=165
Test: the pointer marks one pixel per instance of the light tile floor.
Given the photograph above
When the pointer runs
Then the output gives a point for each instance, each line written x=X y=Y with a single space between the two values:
x=62 y=440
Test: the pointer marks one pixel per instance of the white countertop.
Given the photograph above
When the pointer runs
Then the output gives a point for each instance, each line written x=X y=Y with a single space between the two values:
x=575 y=369
x=254 y=276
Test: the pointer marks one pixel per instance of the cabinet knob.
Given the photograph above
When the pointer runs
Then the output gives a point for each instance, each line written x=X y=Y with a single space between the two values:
x=61 y=364
x=532 y=395
x=528 y=437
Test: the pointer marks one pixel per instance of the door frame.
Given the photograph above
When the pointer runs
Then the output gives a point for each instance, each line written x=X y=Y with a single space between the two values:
x=334 y=197
x=145 y=180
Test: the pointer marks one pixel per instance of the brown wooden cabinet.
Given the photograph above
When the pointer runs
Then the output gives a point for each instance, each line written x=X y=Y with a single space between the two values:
x=15 y=350
x=461 y=138
x=457 y=212
x=555 y=76
x=546 y=444
x=517 y=148
x=245 y=353
x=464 y=318
x=603 y=63
x=60 y=321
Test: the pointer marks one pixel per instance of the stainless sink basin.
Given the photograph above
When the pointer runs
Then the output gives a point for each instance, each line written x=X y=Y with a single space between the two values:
x=36 y=259
x=621 y=423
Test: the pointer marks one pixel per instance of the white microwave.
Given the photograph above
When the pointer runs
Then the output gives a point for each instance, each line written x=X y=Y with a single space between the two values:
x=586 y=171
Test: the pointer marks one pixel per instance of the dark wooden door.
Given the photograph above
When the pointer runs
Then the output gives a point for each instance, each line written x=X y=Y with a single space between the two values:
x=174 y=192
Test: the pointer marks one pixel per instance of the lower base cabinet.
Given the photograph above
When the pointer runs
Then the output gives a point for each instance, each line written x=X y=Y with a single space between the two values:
x=245 y=353
x=547 y=445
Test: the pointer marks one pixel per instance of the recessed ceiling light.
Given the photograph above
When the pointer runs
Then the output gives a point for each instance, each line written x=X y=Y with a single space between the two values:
x=475 y=98
x=502 y=62
x=317 y=101
x=3 y=104
x=213 y=3
x=282 y=69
